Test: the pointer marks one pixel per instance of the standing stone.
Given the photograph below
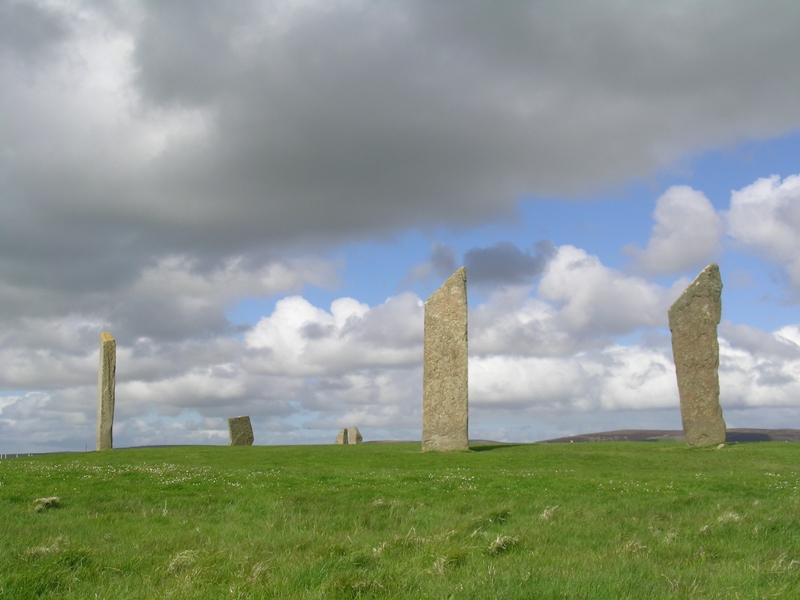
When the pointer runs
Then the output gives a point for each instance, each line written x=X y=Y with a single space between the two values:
x=341 y=438
x=354 y=436
x=693 y=320
x=106 y=383
x=445 y=406
x=241 y=431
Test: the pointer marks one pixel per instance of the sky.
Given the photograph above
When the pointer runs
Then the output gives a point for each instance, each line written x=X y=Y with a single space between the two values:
x=256 y=198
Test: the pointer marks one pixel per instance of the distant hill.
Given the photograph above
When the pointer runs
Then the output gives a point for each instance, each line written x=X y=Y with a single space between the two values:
x=676 y=435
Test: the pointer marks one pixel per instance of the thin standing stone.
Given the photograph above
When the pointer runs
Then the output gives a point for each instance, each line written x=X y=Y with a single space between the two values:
x=241 y=431
x=106 y=383
x=354 y=436
x=693 y=320
x=341 y=437
x=445 y=402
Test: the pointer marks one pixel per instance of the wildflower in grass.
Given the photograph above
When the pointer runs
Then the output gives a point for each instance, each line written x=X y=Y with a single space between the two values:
x=548 y=513
x=182 y=560
x=439 y=566
x=501 y=544
x=634 y=547
x=42 y=550
x=728 y=517
x=379 y=550
x=782 y=564
x=258 y=569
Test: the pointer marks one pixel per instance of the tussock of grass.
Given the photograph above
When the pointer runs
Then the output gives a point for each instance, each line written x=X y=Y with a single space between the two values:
x=600 y=520
x=41 y=504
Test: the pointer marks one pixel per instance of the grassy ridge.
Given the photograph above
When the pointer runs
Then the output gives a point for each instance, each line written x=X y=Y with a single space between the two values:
x=594 y=520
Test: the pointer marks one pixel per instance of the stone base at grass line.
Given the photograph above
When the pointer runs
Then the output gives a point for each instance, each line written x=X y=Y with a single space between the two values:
x=445 y=403
x=241 y=431
x=693 y=320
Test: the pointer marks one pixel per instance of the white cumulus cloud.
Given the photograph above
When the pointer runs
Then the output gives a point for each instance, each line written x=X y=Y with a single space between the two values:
x=301 y=339
x=765 y=217
x=594 y=299
x=686 y=234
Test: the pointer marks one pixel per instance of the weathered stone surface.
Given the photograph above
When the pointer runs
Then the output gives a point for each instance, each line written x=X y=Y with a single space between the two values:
x=354 y=436
x=445 y=404
x=106 y=384
x=341 y=437
x=241 y=431
x=693 y=320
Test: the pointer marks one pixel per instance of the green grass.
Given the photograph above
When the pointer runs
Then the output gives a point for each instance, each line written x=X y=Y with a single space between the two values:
x=591 y=520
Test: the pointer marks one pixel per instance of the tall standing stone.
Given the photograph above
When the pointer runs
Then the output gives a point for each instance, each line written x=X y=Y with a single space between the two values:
x=241 y=431
x=693 y=320
x=341 y=437
x=354 y=436
x=445 y=406
x=106 y=383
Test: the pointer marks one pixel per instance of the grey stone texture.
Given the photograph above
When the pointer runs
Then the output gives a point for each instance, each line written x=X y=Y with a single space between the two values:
x=693 y=320
x=354 y=436
x=106 y=384
x=445 y=402
x=241 y=431
x=341 y=437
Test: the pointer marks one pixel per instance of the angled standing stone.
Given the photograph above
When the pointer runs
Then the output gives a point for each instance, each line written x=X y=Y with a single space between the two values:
x=354 y=436
x=341 y=437
x=445 y=407
x=241 y=431
x=106 y=383
x=693 y=320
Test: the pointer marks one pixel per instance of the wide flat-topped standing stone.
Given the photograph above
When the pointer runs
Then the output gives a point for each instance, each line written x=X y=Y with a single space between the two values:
x=445 y=405
x=693 y=320
x=341 y=437
x=241 y=431
x=106 y=384
x=354 y=436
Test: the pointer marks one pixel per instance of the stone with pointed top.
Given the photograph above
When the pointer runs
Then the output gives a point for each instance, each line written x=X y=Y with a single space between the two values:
x=693 y=320
x=106 y=384
x=445 y=402
x=241 y=431
x=341 y=437
x=354 y=436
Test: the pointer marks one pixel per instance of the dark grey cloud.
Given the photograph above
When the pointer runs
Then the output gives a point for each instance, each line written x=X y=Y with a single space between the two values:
x=228 y=128
x=28 y=31
x=505 y=264
x=443 y=259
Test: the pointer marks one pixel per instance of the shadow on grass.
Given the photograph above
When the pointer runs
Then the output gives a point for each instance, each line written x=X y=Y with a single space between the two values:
x=488 y=447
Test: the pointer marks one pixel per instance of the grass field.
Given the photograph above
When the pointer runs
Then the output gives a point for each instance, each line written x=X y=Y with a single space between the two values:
x=592 y=520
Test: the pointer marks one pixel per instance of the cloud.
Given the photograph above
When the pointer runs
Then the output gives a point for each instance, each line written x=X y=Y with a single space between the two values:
x=541 y=360
x=686 y=235
x=593 y=299
x=614 y=378
x=303 y=340
x=765 y=218
x=217 y=131
x=163 y=161
x=505 y=264
x=441 y=264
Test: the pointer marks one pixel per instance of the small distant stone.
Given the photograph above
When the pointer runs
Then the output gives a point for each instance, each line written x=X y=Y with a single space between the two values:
x=720 y=447
x=241 y=431
x=354 y=436
x=341 y=437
